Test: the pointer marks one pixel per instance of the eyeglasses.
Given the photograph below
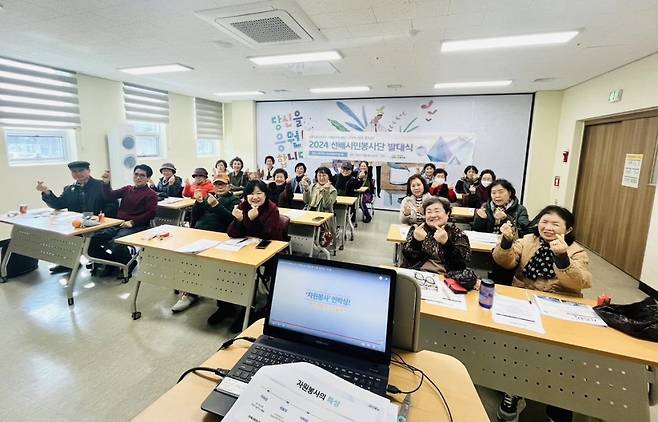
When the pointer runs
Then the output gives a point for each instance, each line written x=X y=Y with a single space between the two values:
x=426 y=281
x=140 y=175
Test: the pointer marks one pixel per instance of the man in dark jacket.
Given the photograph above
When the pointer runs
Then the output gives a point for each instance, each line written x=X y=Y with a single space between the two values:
x=169 y=184
x=215 y=212
x=345 y=183
x=85 y=195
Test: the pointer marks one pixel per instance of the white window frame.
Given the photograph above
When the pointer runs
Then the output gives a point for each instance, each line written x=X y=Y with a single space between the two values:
x=161 y=140
x=215 y=149
x=69 y=147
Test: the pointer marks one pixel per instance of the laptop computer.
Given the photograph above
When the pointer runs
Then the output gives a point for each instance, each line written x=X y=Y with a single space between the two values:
x=335 y=315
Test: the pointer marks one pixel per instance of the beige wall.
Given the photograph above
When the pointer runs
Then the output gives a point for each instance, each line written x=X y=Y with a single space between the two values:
x=101 y=109
x=240 y=132
x=543 y=142
x=588 y=100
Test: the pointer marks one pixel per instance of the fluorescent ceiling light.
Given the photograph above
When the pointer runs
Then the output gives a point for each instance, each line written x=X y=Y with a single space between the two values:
x=319 y=56
x=340 y=89
x=162 y=68
x=512 y=41
x=481 y=84
x=239 y=93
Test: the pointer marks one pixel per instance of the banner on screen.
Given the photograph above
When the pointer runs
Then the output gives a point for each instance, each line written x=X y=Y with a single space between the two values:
x=382 y=147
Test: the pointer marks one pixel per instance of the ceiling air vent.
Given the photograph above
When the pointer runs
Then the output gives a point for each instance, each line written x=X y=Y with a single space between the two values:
x=263 y=23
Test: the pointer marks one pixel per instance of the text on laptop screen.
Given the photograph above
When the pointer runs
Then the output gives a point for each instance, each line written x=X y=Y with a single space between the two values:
x=339 y=304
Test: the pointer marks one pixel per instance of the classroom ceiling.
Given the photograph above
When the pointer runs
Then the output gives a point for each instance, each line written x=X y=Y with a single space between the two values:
x=384 y=42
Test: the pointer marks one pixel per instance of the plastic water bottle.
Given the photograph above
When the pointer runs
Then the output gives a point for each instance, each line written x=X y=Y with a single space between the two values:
x=487 y=291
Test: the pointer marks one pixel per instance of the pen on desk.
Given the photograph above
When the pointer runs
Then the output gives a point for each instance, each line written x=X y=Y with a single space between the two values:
x=243 y=240
x=528 y=296
x=404 y=408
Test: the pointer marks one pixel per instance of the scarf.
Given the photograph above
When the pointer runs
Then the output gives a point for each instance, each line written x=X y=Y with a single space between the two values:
x=541 y=263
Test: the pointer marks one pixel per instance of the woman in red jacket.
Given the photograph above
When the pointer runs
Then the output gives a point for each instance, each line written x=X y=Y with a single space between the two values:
x=440 y=188
x=201 y=183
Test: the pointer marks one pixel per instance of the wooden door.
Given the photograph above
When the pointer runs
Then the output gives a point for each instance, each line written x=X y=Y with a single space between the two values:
x=613 y=220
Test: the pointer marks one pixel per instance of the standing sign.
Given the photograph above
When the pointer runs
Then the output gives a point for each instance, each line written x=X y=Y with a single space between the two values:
x=632 y=167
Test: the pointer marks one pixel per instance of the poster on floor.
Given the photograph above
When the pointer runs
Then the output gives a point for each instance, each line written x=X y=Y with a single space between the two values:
x=398 y=136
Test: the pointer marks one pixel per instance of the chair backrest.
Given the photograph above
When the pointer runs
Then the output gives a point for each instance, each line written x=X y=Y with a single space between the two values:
x=285 y=224
x=406 y=313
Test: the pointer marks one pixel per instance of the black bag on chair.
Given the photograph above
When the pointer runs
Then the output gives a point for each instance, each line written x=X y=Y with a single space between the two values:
x=639 y=319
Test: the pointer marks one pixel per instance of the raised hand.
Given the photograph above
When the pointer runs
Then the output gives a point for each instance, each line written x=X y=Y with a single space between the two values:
x=237 y=213
x=172 y=180
x=471 y=189
x=41 y=187
x=212 y=201
x=559 y=245
x=482 y=211
x=508 y=231
x=126 y=224
x=106 y=177
x=441 y=235
x=419 y=233
x=499 y=214
x=198 y=195
x=252 y=213
x=406 y=210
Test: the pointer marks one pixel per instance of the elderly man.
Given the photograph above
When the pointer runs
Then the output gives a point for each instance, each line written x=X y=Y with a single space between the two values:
x=85 y=195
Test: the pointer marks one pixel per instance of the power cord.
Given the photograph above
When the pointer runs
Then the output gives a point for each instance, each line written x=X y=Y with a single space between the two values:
x=217 y=371
x=230 y=341
x=394 y=390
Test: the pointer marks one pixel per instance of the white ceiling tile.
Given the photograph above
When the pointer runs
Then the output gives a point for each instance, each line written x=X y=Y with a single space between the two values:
x=343 y=18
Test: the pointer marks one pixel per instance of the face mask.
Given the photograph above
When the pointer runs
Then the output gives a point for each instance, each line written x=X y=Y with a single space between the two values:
x=441 y=180
x=485 y=184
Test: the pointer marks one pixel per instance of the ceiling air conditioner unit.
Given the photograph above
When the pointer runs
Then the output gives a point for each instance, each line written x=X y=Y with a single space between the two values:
x=264 y=23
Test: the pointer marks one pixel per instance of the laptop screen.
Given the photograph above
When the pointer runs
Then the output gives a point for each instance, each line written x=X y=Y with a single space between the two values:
x=338 y=302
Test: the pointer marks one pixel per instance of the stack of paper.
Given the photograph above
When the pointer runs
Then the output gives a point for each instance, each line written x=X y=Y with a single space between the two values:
x=404 y=230
x=171 y=200
x=570 y=311
x=304 y=392
x=435 y=291
x=234 y=245
x=479 y=237
x=198 y=246
x=292 y=213
x=516 y=312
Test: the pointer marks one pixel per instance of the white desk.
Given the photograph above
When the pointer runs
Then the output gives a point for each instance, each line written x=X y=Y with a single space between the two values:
x=48 y=235
x=304 y=230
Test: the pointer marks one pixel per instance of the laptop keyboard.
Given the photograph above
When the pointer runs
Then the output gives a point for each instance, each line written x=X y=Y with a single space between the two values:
x=259 y=356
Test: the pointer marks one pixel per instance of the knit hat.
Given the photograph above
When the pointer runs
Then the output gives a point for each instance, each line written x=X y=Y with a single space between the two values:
x=169 y=166
x=200 y=171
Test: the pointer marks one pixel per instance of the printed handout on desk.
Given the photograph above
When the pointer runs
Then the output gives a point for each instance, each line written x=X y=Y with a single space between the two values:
x=404 y=230
x=480 y=237
x=570 y=311
x=198 y=246
x=435 y=291
x=170 y=200
x=304 y=392
x=292 y=213
x=520 y=313
x=234 y=245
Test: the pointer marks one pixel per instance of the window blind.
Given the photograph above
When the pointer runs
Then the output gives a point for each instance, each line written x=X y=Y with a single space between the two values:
x=209 y=119
x=34 y=95
x=144 y=104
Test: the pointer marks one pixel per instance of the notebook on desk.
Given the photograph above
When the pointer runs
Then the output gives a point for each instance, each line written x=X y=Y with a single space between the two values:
x=335 y=315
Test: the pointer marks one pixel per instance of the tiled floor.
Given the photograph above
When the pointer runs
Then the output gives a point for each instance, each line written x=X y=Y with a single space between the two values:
x=92 y=362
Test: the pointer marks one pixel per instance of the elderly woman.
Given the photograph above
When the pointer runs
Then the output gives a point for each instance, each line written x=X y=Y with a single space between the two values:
x=411 y=208
x=547 y=260
x=434 y=245
x=503 y=208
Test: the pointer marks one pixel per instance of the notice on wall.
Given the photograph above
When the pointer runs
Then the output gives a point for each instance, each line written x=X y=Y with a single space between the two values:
x=632 y=167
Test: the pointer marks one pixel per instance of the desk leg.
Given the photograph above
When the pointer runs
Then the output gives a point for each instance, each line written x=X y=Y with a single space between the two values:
x=396 y=255
x=135 y=314
x=5 y=262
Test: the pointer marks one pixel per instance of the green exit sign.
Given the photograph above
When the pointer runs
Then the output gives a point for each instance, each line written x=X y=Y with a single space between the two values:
x=615 y=95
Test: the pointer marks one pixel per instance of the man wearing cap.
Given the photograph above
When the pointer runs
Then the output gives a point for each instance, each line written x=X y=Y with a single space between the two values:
x=169 y=184
x=85 y=195
x=213 y=213
x=201 y=183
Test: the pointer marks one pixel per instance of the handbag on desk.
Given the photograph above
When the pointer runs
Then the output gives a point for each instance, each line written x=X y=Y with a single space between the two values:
x=639 y=319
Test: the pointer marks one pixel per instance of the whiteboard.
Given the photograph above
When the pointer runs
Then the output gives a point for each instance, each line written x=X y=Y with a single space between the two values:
x=500 y=125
